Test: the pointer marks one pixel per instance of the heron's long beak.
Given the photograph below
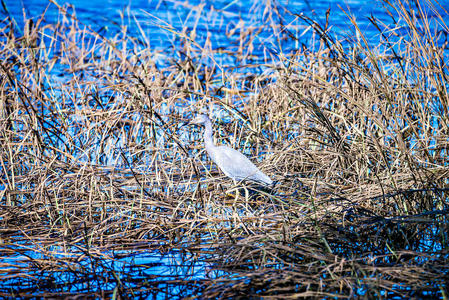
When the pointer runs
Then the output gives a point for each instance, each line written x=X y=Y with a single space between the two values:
x=184 y=124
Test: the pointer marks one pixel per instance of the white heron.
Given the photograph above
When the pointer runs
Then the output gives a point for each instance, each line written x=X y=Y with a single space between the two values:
x=234 y=164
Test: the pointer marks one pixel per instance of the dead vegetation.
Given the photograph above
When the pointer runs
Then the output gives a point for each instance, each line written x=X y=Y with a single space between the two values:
x=94 y=161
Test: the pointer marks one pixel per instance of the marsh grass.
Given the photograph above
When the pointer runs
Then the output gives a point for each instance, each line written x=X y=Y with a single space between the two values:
x=94 y=160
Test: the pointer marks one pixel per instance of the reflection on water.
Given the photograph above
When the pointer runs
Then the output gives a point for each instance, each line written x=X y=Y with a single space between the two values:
x=139 y=273
x=418 y=243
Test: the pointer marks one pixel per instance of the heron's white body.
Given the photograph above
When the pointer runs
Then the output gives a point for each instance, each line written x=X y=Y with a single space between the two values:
x=233 y=163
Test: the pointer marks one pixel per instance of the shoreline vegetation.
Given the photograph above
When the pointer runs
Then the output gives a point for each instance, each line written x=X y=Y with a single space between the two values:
x=94 y=161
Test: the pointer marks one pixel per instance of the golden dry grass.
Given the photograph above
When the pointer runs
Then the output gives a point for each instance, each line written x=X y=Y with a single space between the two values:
x=94 y=160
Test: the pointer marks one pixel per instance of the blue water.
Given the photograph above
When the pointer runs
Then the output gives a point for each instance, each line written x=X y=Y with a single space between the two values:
x=206 y=18
x=212 y=14
x=152 y=272
x=164 y=26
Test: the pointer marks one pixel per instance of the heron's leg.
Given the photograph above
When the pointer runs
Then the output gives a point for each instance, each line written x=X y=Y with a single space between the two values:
x=221 y=187
x=237 y=192
x=229 y=191
x=244 y=187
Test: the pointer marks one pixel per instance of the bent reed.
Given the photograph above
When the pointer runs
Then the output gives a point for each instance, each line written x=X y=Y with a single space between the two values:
x=93 y=160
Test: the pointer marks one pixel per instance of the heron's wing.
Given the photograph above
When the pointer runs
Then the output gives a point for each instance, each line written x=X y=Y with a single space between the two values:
x=236 y=165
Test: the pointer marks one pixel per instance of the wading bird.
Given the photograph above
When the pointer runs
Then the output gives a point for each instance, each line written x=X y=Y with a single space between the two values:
x=234 y=164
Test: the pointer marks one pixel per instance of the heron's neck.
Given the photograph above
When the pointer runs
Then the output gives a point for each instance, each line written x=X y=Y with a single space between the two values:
x=208 y=141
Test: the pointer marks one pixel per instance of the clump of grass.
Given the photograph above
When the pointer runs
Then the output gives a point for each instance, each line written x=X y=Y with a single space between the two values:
x=94 y=161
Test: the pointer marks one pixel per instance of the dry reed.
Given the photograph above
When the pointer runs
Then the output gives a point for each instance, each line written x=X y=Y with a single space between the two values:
x=94 y=161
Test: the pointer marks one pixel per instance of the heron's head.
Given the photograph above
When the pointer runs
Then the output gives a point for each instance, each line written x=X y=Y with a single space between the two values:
x=200 y=120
